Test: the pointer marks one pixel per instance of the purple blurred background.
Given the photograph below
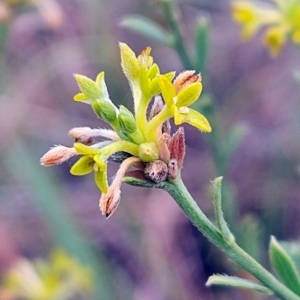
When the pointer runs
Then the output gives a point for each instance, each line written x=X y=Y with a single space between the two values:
x=153 y=249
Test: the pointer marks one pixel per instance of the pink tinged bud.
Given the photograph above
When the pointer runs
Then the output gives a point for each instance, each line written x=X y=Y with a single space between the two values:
x=156 y=171
x=172 y=168
x=57 y=155
x=86 y=135
x=163 y=150
x=156 y=108
x=177 y=147
x=109 y=201
x=184 y=79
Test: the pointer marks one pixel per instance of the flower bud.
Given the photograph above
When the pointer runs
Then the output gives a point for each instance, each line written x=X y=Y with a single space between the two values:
x=184 y=79
x=177 y=146
x=57 y=155
x=127 y=121
x=156 y=171
x=105 y=111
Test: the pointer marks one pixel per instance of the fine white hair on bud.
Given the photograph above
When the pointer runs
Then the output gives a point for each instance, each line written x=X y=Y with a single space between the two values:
x=156 y=171
x=57 y=155
x=86 y=134
x=162 y=144
x=109 y=201
x=184 y=79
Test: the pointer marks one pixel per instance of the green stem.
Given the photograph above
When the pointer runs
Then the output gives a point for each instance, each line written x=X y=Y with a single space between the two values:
x=181 y=195
x=141 y=114
x=178 y=44
x=159 y=119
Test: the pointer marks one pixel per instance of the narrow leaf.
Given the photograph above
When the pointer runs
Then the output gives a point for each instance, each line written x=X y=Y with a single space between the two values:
x=217 y=198
x=201 y=44
x=284 y=266
x=148 y=28
x=237 y=282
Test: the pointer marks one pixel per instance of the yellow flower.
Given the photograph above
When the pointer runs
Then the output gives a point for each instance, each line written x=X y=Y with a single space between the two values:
x=185 y=91
x=61 y=277
x=136 y=139
x=253 y=17
x=281 y=22
x=274 y=39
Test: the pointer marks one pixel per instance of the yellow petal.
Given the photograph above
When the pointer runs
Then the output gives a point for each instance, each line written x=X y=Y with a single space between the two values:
x=101 y=180
x=167 y=90
x=195 y=119
x=274 y=39
x=189 y=95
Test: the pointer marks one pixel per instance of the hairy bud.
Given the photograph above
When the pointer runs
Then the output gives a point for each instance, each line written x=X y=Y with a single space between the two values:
x=156 y=171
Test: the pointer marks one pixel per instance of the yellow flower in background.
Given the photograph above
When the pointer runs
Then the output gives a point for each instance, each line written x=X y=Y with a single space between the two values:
x=279 y=22
x=274 y=39
x=61 y=277
x=137 y=140
x=252 y=17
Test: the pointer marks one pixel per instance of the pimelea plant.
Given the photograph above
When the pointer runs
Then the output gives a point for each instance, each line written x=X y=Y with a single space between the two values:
x=155 y=156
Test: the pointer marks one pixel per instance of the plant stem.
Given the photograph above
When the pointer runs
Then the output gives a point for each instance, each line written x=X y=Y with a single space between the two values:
x=178 y=43
x=181 y=195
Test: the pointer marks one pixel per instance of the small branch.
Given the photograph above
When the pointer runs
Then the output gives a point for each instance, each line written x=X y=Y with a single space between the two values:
x=178 y=44
x=237 y=283
x=222 y=225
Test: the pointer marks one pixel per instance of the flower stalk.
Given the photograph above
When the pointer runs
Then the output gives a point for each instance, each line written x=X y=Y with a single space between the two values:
x=183 y=198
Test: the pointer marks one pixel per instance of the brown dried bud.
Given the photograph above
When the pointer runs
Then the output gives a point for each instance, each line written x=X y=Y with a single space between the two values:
x=57 y=155
x=177 y=146
x=184 y=79
x=156 y=171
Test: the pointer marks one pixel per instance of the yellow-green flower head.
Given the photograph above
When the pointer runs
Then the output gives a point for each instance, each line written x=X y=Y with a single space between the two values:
x=281 y=21
x=136 y=139
x=60 y=277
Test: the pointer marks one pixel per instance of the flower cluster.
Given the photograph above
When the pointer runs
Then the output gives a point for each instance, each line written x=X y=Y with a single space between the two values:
x=281 y=19
x=137 y=139
x=61 y=277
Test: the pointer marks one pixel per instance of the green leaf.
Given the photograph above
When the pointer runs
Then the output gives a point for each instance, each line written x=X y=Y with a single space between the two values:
x=237 y=282
x=217 y=198
x=284 y=266
x=83 y=166
x=201 y=44
x=148 y=28
x=293 y=249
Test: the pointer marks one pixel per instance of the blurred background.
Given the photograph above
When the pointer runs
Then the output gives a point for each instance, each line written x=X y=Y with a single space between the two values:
x=148 y=250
